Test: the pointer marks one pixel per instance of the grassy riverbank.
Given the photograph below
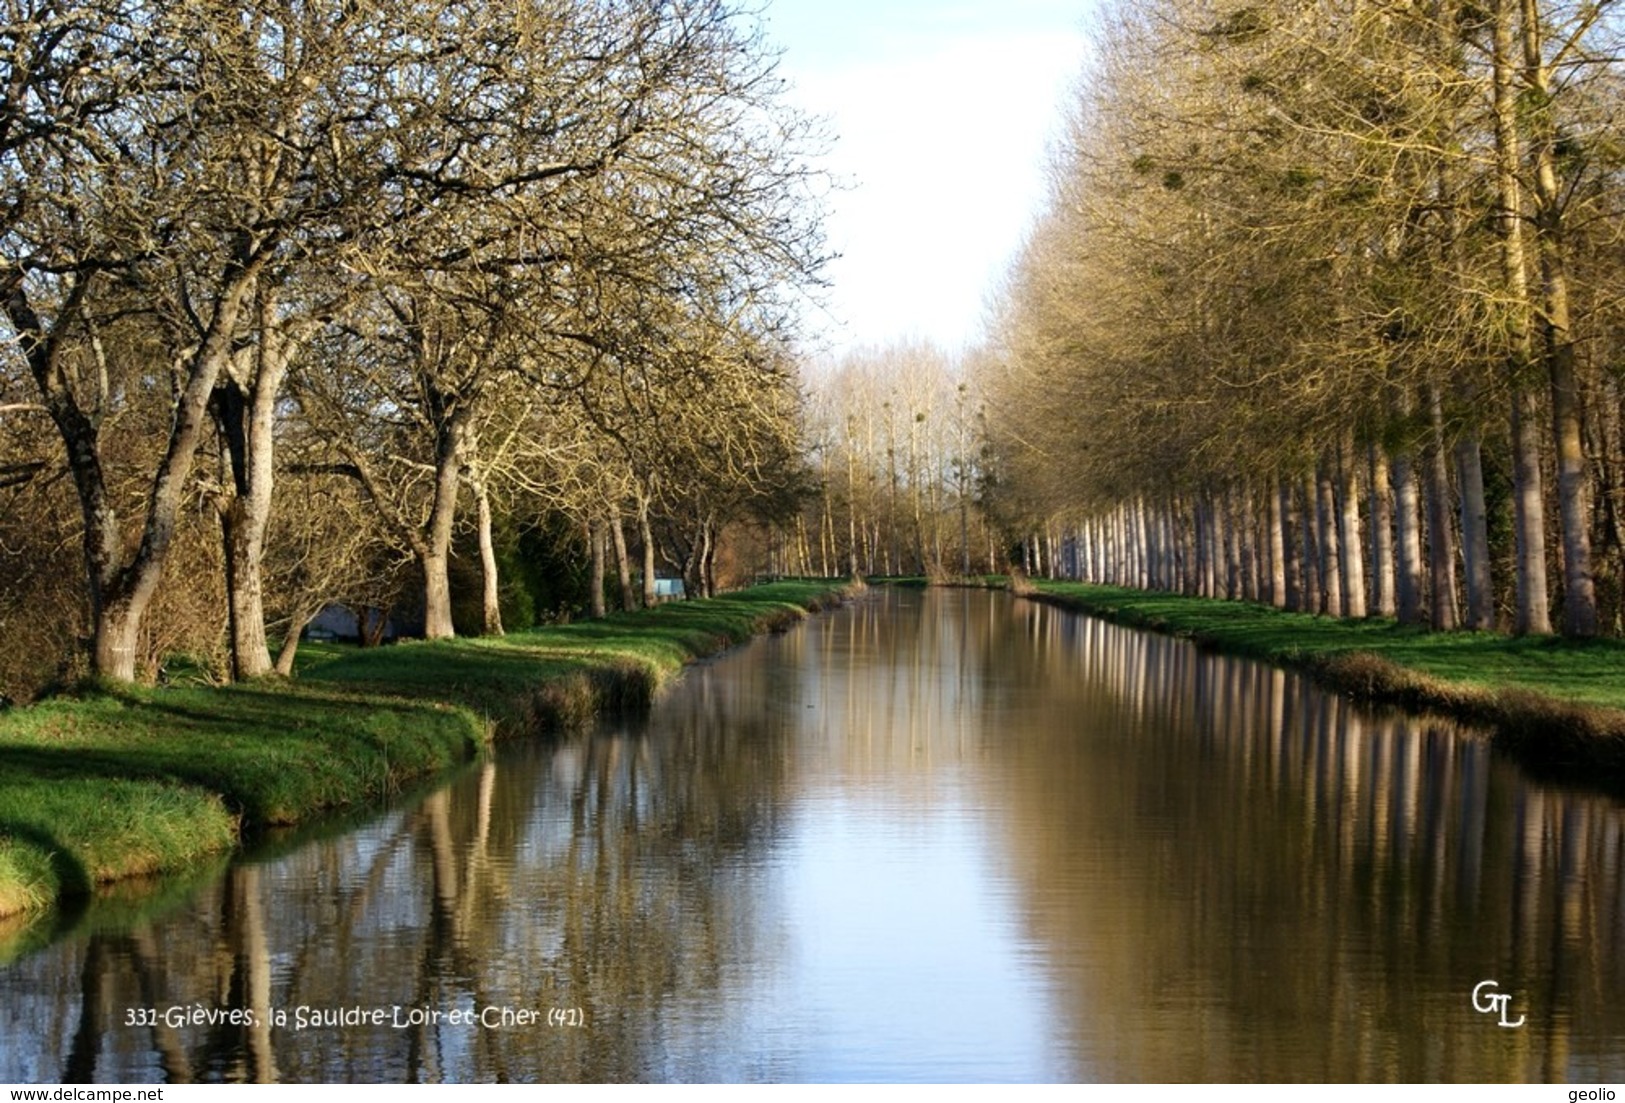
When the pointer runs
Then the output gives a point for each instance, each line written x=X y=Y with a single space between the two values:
x=118 y=782
x=1557 y=704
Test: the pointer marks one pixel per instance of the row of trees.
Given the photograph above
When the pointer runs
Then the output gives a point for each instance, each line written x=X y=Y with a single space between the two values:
x=321 y=276
x=896 y=439
x=1324 y=311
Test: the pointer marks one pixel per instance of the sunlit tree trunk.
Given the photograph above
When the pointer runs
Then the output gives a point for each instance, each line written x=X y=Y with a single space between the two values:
x=1331 y=558
x=1350 y=540
x=434 y=544
x=1579 y=588
x=1531 y=603
x=647 y=537
x=1441 y=539
x=1289 y=593
x=1408 y=538
x=490 y=582
x=1381 y=497
x=244 y=409
x=623 y=562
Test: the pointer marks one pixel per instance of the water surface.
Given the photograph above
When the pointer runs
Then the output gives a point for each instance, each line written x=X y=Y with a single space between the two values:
x=932 y=836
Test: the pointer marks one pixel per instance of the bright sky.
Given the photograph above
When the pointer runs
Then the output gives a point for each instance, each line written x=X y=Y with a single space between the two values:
x=942 y=113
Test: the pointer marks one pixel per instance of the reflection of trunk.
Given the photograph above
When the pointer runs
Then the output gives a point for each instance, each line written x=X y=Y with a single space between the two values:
x=149 y=971
x=259 y=980
x=623 y=565
x=87 y=1039
x=251 y=969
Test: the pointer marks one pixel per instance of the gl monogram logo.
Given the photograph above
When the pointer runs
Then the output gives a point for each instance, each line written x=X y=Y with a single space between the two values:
x=1487 y=1000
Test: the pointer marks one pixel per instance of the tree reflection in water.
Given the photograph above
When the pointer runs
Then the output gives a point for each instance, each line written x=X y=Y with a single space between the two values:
x=1215 y=871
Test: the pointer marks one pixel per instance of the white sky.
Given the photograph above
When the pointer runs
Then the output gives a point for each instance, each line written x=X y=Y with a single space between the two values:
x=942 y=114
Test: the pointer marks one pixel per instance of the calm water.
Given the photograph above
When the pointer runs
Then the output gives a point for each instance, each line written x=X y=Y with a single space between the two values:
x=930 y=836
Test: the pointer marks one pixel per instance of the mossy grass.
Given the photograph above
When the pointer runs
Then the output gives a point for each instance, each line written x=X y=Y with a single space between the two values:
x=114 y=782
x=1557 y=704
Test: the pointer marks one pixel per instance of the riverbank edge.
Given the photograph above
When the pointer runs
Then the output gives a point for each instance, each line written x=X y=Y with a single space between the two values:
x=1550 y=736
x=113 y=783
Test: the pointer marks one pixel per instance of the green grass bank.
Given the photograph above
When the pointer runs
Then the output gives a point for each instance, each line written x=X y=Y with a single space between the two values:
x=1557 y=705
x=117 y=782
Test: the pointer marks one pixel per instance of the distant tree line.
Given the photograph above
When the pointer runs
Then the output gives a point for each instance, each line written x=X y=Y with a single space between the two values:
x=1326 y=311
x=896 y=439
x=304 y=302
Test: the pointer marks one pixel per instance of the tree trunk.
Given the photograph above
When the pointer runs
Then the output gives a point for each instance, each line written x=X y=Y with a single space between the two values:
x=1314 y=593
x=852 y=515
x=646 y=534
x=116 y=629
x=1532 y=613
x=490 y=588
x=1475 y=537
x=1408 y=534
x=595 y=575
x=1285 y=567
x=121 y=591
x=244 y=409
x=1579 y=589
x=1253 y=548
x=1531 y=602
x=708 y=559
x=436 y=595
x=623 y=562
x=433 y=545
x=290 y=643
x=1441 y=540
x=1381 y=497
x=1350 y=540
x=1331 y=559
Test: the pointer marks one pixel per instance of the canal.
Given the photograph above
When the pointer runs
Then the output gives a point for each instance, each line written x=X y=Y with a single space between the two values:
x=933 y=835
